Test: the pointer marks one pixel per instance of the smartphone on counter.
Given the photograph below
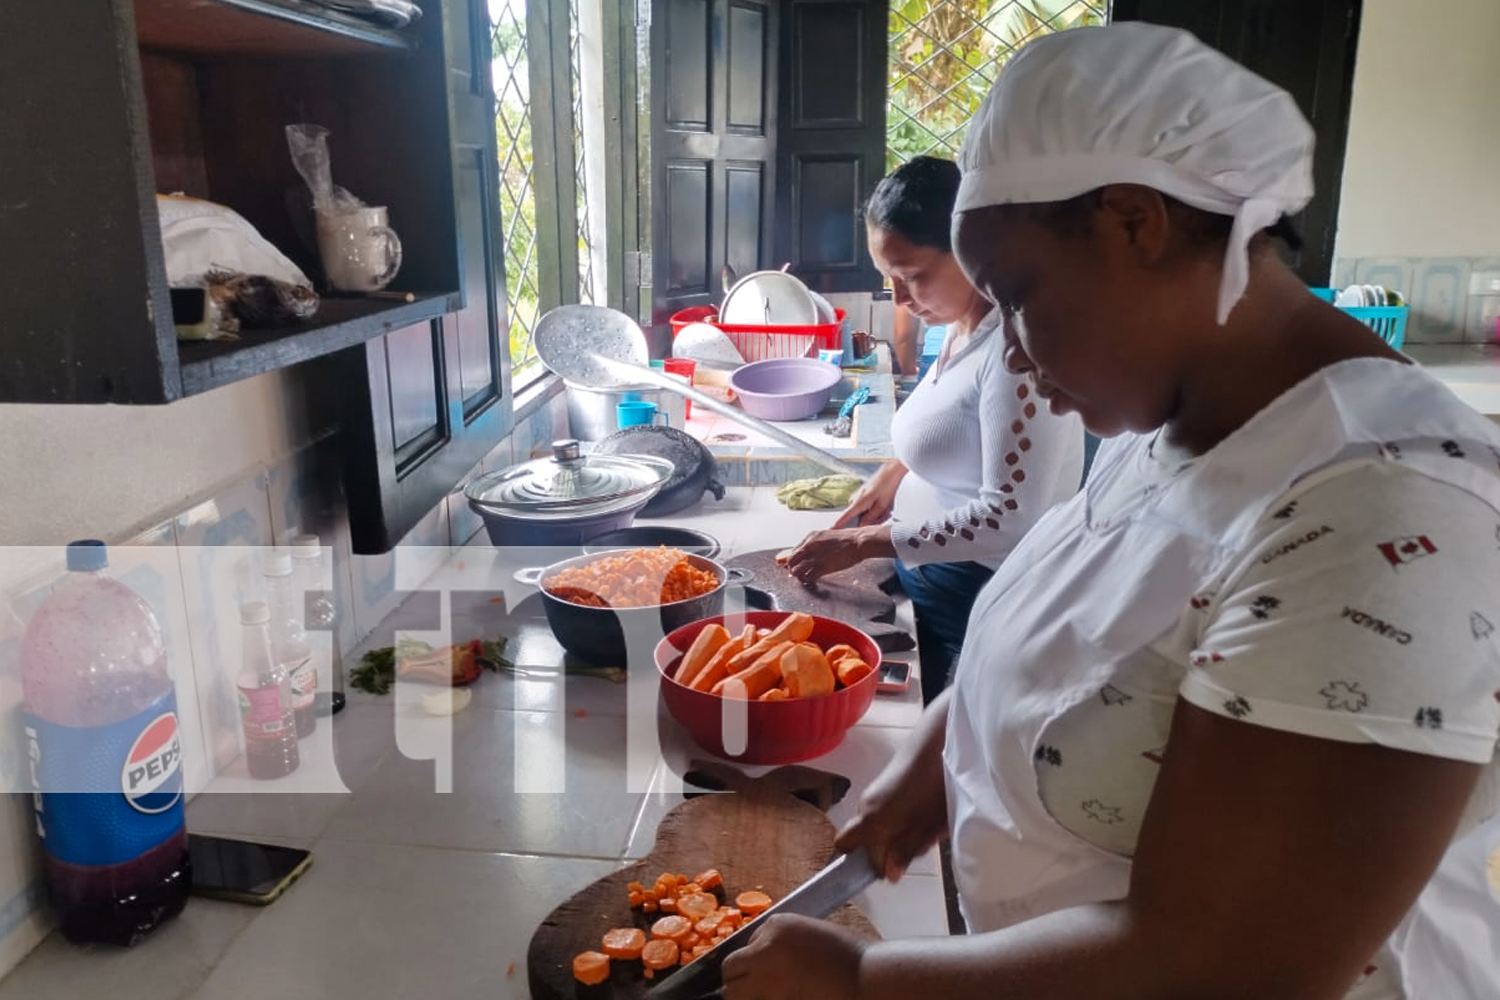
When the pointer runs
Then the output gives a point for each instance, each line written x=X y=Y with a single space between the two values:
x=893 y=678
x=243 y=871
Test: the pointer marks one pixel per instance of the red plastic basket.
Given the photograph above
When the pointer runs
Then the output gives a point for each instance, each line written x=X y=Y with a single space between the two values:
x=759 y=343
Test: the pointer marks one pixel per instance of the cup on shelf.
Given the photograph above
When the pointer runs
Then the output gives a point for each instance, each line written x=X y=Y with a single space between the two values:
x=359 y=250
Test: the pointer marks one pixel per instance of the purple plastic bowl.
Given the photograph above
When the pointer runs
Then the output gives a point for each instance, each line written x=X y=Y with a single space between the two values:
x=785 y=388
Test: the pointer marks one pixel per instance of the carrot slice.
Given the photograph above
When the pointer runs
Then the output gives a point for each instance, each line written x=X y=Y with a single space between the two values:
x=709 y=924
x=752 y=903
x=851 y=670
x=672 y=928
x=624 y=942
x=591 y=968
x=668 y=905
x=660 y=953
x=697 y=906
x=710 y=879
x=650 y=906
x=636 y=899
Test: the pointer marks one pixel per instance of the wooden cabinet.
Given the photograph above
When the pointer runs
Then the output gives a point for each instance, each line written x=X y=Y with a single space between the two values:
x=421 y=406
x=110 y=102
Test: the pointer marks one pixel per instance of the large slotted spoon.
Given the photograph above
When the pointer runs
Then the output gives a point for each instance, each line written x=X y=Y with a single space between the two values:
x=602 y=348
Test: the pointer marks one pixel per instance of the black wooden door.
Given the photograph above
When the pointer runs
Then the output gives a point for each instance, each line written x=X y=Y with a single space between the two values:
x=713 y=145
x=831 y=145
x=1305 y=46
x=422 y=406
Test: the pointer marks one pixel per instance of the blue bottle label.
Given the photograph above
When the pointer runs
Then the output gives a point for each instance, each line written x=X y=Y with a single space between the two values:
x=107 y=794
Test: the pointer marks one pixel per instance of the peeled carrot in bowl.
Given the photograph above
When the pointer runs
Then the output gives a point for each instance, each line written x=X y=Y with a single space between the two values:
x=708 y=642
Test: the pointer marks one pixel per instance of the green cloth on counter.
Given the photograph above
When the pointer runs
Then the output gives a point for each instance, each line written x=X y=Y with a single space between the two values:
x=823 y=493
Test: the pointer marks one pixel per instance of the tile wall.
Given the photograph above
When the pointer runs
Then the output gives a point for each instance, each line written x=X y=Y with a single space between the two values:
x=194 y=567
x=1444 y=308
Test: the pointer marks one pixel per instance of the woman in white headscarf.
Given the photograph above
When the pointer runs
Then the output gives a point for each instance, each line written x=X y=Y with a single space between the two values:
x=1224 y=724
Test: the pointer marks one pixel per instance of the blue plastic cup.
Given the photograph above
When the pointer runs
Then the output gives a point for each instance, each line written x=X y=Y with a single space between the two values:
x=637 y=413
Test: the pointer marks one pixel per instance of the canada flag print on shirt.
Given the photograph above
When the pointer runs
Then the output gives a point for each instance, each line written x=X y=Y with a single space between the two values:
x=1405 y=550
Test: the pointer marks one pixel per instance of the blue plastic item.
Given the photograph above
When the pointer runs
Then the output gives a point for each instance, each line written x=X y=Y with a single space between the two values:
x=1387 y=321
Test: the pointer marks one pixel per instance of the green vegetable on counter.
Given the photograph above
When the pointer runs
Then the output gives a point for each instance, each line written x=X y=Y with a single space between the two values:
x=823 y=493
x=376 y=672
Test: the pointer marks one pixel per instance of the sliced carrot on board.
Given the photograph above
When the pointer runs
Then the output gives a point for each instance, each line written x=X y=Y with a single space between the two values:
x=668 y=905
x=852 y=670
x=672 y=928
x=710 y=879
x=634 y=887
x=650 y=906
x=624 y=942
x=591 y=968
x=752 y=903
x=697 y=906
x=659 y=954
x=732 y=916
x=636 y=899
x=709 y=924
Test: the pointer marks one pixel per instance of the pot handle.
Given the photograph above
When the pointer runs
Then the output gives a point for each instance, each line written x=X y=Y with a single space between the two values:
x=737 y=574
x=531 y=575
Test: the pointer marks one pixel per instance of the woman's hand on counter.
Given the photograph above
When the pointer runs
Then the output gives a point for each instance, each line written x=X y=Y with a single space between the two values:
x=833 y=549
x=875 y=499
x=795 y=958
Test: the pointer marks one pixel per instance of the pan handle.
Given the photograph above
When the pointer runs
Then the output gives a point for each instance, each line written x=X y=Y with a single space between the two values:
x=737 y=574
x=531 y=575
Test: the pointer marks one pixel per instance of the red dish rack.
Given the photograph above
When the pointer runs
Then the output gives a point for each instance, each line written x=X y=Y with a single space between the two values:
x=758 y=343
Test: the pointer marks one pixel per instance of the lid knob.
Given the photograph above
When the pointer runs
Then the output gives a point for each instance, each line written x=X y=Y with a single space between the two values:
x=566 y=450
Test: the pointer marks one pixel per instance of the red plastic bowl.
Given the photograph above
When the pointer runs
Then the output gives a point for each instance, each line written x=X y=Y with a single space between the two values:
x=769 y=732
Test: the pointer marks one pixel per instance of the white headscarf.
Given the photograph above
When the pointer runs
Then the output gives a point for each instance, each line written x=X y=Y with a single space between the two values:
x=1136 y=103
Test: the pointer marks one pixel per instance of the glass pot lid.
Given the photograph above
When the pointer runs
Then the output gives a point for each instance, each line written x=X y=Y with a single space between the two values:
x=569 y=483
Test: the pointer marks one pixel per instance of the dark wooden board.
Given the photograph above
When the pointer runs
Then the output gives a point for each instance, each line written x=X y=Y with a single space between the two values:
x=768 y=833
x=858 y=596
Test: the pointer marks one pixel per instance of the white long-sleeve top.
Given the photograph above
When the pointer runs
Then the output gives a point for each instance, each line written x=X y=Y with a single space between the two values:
x=987 y=456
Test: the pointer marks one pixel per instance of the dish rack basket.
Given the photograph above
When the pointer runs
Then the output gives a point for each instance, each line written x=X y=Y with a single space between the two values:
x=1387 y=321
x=760 y=343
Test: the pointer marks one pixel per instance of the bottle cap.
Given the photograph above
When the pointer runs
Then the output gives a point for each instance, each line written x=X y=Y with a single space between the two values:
x=87 y=555
x=255 y=613
x=277 y=562
x=306 y=546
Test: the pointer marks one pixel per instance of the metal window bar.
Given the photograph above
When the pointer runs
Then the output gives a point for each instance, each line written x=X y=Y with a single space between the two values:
x=945 y=56
x=513 y=132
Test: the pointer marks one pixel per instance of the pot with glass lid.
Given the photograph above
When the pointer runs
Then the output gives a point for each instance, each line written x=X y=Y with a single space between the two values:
x=565 y=499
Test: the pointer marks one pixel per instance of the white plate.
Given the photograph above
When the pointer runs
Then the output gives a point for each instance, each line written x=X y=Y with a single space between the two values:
x=769 y=298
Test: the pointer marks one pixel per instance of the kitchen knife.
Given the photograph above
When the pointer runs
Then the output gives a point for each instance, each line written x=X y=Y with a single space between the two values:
x=842 y=880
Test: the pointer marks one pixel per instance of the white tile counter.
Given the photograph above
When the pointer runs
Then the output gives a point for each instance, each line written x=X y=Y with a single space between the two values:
x=419 y=892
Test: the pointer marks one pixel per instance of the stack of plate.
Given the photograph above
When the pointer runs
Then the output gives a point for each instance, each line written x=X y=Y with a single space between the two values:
x=386 y=13
x=1356 y=296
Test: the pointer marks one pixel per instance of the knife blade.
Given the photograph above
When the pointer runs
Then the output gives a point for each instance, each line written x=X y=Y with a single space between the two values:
x=841 y=880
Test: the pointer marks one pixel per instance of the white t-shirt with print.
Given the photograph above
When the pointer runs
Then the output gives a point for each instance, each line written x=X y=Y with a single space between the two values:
x=1412 y=666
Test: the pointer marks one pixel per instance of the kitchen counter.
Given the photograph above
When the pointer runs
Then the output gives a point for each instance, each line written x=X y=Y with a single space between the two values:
x=439 y=844
x=1472 y=371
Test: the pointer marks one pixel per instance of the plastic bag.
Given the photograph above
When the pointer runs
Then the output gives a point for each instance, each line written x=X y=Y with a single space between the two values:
x=309 y=146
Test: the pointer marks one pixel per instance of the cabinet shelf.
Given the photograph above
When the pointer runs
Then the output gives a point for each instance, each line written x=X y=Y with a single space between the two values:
x=260 y=27
x=339 y=323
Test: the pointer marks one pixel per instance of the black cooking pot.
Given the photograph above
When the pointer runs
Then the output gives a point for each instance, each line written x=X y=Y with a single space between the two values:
x=603 y=635
x=650 y=536
x=694 y=463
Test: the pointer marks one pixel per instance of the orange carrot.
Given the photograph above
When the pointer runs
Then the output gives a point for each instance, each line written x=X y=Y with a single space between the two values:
x=752 y=903
x=755 y=679
x=709 y=924
x=673 y=928
x=840 y=650
x=668 y=905
x=717 y=667
x=624 y=942
x=708 y=642
x=591 y=968
x=796 y=627
x=851 y=670
x=659 y=954
x=807 y=672
x=710 y=879
x=697 y=906
x=775 y=694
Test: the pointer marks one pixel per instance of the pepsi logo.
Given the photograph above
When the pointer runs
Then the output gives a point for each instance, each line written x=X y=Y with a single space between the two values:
x=152 y=776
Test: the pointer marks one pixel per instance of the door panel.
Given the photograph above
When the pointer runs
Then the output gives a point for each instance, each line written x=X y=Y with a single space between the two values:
x=417 y=410
x=831 y=145
x=748 y=77
x=714 y=94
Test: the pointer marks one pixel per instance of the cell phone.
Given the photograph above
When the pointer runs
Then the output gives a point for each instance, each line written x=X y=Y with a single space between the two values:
x=893 y=678
x=243 y=871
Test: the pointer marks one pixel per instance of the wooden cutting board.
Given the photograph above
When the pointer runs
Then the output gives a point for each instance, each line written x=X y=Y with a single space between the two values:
x=858 y=595
x=768 y=833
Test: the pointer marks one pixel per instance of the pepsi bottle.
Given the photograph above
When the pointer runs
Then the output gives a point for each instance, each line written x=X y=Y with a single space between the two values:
x=106 y=761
